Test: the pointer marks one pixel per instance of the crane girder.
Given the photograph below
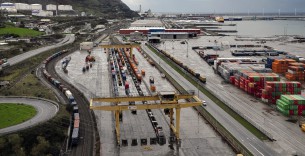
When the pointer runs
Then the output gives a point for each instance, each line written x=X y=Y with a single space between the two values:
x=144 y=106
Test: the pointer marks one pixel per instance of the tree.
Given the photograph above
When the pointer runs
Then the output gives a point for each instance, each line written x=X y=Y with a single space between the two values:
x=42 y=147
x=16 y=142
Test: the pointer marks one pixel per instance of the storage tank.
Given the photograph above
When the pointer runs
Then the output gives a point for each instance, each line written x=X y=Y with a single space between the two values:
x=36 y=7
x=51 y=7
x=64 y=7
x=22 y=6
x=11 y=10
x=35 y=12
x=7 y=5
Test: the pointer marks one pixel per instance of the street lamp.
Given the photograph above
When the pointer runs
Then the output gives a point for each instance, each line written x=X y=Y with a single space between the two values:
x=187 y=48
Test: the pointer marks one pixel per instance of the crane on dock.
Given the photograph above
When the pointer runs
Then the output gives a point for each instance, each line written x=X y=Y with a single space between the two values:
x=162 y=100
x=129 y=46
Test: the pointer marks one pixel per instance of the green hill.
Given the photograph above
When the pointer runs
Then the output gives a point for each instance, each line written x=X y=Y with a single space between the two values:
x=105 y=8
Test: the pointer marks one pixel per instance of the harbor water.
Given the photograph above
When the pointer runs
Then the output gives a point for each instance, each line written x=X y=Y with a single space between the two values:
x=264 y=28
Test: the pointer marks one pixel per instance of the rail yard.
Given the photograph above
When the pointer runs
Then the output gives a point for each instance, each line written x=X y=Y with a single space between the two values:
x=118 y=72
x=157 y=90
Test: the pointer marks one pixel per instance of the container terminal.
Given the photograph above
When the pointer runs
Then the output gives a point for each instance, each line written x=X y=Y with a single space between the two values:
x=215 y=63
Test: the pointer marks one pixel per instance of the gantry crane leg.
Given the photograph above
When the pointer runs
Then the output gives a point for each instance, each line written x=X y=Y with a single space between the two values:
x=178 y=140
x=171 y=114
x=117 y=125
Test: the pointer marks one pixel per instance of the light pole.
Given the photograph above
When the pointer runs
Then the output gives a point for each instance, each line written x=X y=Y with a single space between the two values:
x=187 y=48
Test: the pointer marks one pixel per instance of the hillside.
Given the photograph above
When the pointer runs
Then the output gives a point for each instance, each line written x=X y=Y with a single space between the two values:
x=105 y=8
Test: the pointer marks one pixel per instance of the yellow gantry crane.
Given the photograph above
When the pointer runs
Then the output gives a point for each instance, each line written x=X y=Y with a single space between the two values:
x=162 y=100
x=129 y=46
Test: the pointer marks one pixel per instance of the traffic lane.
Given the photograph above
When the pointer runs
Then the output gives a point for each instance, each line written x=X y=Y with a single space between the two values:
x=253 y=144
x=45 y=111
x=19 y=58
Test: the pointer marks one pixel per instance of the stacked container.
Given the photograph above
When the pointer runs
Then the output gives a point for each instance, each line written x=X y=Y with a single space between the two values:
x=295 y=72
x=291 y=105
x=281 y=65
x=252 y=82
x=274 y=90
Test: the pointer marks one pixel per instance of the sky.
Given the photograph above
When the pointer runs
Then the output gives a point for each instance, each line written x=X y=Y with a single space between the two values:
x=217 y=6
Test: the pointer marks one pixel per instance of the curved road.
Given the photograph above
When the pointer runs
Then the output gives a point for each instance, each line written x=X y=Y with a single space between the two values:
x=253 y=144
x=19 y=58
x=45 y=111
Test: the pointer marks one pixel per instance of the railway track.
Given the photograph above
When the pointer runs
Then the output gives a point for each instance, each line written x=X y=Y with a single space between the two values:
x=87 y=125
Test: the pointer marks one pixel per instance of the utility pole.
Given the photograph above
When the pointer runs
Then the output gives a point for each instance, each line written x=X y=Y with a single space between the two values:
x=187 y=48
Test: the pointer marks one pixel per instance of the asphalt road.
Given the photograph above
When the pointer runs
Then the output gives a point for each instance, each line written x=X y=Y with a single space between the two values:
x=254 y=145
x=19 y=58
x=45 y=111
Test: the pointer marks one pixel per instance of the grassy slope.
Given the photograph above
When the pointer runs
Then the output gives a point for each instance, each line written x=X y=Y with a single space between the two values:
x=30 y=86
x=22 y=32
x=12 y=114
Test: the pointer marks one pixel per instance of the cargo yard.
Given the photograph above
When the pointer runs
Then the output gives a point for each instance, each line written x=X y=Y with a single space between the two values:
x=227 y=66
x=166 y=87
x=264 y=116
x=199 y=139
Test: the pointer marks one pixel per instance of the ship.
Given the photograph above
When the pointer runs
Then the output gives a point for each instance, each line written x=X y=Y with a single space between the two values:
x=219 y=19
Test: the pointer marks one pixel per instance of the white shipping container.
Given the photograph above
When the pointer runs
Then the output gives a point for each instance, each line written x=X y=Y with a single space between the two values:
x=68 y=93
x=64 y=7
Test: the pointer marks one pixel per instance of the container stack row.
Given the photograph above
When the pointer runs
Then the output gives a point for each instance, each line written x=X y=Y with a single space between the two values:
x=274 y=90
x=295 y=72
x=280 y=66
x=227 y=69
x=252 y=82
x=291 y=105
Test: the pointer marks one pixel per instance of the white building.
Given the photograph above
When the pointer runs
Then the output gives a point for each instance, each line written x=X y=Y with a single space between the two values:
x=65 y=7
x=42 y=13
x=51 y=7
x=147 y=23
x=36 y=7
x=10 y=10
x=7 y=5
x=22 y=6
x=86 y=45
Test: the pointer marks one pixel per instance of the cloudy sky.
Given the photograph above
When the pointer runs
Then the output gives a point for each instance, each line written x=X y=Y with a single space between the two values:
x=208 y=6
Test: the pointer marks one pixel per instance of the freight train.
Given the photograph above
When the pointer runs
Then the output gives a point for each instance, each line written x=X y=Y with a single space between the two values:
x=179 y=63
x=67 y=93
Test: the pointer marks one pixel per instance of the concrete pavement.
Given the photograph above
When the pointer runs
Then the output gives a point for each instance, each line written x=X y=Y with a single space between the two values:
x=256 y=146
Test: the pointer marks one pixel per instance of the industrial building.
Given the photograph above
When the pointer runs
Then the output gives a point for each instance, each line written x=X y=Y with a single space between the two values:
x=136 y=36
x=36 y=7
x=172 y=35
x=147 y=23
x=51 y=7
x=22 y=6
x=42 y=13
x=149 y=30
x=86 y=45
x=7 y=5
x=65 y=7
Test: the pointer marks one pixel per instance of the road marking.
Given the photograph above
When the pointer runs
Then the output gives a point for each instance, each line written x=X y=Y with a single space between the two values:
x=256 y=149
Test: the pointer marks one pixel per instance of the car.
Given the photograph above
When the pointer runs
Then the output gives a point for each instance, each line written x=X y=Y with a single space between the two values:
x=204 y=103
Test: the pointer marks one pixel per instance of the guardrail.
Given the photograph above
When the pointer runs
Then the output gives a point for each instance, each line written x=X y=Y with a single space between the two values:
x=235 y=144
